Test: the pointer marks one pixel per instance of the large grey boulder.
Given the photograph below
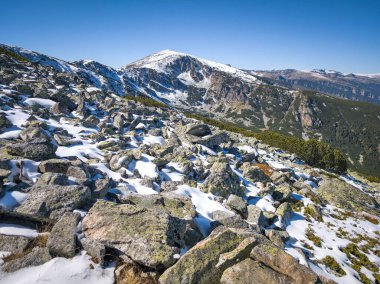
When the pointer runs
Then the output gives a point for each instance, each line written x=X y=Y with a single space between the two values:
x=254 y=173
x=37 y=149
x=149 y=237
x=222 y=181
x=277 y=237
x=282 y=192
x=91 y=121
x=347 y=197
x=53 y=200
x=60 y=108
x=285 y=213
x=214 y=139
x=119 y=121
x=4 y=122
x=33 y=132
x=52 y=178
x=62 y=240
x=255 y=217
x=54 y=166
x=282 y=262
x=228 y=219
x=237 y=204
x=205 y=262
x=250 y=271
x=169 y=202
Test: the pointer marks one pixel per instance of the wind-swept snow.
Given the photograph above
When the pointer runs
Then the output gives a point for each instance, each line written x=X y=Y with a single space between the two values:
x=78 y=270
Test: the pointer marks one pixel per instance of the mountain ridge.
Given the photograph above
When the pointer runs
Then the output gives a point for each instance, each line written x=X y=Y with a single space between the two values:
x=229 y=94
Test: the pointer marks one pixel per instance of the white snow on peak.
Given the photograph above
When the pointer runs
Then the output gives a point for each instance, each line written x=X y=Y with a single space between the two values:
x=44 y=60
x=327 y=72
x=87 y=61
x=160 y=60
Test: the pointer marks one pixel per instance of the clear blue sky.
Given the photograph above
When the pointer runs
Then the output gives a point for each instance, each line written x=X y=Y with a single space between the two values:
x=264 y=34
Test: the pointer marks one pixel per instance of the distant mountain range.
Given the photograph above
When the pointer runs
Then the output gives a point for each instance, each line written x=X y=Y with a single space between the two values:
x=256 y=100
x=357 y=87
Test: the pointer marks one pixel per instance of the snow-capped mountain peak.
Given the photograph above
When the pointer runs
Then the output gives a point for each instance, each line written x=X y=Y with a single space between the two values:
x=161 y=60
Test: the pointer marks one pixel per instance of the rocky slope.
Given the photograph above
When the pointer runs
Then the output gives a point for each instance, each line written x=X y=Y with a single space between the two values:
x=357 y=87
x=226 y=93
x=96 y=188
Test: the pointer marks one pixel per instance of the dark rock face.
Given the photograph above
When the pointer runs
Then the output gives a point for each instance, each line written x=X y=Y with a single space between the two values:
x=54 y=166
x=62 y=240
x=36 y=149
x=199 y=130
x=4 y=122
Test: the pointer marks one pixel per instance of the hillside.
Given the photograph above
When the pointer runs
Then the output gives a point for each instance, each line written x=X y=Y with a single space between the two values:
x=225 y=93
x=97 y=187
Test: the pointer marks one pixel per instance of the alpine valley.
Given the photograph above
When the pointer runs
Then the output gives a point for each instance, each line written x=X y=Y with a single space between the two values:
x=176 y=169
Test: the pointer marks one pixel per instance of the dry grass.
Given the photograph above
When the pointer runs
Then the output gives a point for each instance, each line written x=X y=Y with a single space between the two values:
x=371 y=219
x=14 y=256
x=265 y=168
x=131 y=274
x=40 y=240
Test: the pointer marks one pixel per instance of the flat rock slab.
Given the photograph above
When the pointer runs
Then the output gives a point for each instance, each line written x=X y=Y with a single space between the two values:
x=149 y=237
x=52 y=201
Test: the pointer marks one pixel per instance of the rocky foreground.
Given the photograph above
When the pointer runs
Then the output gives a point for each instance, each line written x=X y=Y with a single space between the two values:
x=99 y=189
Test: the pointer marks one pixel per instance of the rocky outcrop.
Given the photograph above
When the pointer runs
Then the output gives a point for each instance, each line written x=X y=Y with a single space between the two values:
x=347 y=197
x=62 y=240
x=14 y=244
x=37 y=149
x=169 y=202
x=54 y=200
x=250 y=271
x=222 y=181
x=149 y=237
x=36 y=257
x=200 y=264
x=275 y=258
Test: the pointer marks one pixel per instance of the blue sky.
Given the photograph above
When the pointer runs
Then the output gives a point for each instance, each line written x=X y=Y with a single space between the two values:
x=263 y=34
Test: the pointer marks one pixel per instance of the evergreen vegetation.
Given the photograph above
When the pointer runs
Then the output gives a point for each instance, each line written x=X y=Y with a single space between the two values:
x=313 y=152
x=12 y=54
